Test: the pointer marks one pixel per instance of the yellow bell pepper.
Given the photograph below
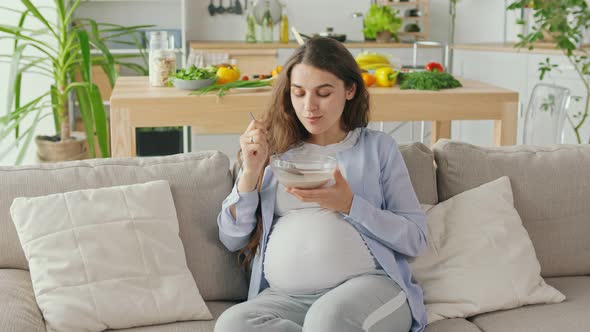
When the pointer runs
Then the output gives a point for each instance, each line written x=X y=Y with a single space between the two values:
x=227 y=74
x=385 y=76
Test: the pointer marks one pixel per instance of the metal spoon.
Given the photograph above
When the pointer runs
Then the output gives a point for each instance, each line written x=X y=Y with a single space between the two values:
x=211 y=8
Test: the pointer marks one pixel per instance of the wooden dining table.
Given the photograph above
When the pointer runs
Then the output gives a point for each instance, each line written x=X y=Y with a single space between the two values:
x=135 y=104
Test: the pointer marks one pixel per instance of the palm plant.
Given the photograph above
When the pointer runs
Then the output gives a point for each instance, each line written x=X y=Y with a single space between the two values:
x=62 y=50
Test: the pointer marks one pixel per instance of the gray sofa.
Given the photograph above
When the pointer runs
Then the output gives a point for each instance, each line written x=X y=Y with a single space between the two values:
x=551 y=191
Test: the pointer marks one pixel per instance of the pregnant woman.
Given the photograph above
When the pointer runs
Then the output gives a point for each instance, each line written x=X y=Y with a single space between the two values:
x=333 y=258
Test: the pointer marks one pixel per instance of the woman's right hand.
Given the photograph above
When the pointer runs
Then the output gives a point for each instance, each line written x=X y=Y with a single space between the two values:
x=255 y=149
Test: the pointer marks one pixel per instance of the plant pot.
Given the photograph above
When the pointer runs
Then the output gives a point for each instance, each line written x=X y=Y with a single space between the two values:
x=383 y=36
x=50 y=149
x=158 y=142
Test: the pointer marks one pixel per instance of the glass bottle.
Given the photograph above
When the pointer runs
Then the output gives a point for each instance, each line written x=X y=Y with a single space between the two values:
x=284 y=30
x=266 y=24
x=162 y=59
x=250 y=24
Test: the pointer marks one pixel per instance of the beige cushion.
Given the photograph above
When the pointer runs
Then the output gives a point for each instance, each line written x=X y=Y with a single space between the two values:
x=216 y=307
x=18 y=309
x=452 y=325
x=420 y=163
x=571 y=315
x=93 y=252
x=479 y=257
x=199 y=182
x=551 y=194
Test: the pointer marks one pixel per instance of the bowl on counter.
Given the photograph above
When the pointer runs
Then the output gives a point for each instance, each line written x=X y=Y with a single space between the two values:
x=193 y=84
x=303 y=170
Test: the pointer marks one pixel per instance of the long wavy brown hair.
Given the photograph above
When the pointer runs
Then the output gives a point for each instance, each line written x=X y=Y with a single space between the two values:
x=284 y=128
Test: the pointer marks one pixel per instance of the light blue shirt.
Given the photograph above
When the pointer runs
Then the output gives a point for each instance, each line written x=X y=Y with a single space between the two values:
x=384 y=209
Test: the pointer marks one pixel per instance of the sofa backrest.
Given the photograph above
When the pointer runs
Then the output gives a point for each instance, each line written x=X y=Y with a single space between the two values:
x=420 y=163
x=199 y=183
x=551 y=187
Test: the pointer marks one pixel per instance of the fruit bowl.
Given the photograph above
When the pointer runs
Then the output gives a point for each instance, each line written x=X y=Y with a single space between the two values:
x=302 y=170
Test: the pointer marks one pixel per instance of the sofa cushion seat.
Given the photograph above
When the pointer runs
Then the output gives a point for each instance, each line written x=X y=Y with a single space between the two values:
x=18 y=309
x=452 y=325
x=570 y=315
x=216 y=308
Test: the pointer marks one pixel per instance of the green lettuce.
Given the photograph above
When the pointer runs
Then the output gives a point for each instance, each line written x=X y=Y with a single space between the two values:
x=380 y=19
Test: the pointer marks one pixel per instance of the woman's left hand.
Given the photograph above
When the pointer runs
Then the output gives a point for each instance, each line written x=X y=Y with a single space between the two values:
x=337 y=197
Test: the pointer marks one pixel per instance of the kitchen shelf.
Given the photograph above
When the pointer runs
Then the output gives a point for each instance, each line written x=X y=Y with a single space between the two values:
x=407 y=3
x=423 y=21
x=403 y=33
x=412 y=18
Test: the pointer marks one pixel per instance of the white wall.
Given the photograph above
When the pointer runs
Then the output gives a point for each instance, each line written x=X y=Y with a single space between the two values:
x=33 y=85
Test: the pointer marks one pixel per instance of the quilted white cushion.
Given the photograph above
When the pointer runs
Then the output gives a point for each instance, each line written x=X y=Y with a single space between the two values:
x=107 y=258
x=480 y=258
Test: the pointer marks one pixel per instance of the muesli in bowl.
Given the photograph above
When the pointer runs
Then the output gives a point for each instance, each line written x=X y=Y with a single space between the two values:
x=303 y=170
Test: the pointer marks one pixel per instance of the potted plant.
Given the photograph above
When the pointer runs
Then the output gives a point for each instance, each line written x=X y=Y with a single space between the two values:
x=60 y=50
x=381 y=23
x=565 y=21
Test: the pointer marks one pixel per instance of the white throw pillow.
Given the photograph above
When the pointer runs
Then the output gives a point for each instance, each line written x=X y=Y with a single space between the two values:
x=107 y=258
x=479 y=258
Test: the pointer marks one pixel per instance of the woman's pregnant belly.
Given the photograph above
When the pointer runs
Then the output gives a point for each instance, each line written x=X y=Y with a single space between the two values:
x=314 y=249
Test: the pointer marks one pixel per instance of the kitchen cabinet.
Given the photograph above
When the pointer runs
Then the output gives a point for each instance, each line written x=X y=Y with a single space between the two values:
x=504 y=66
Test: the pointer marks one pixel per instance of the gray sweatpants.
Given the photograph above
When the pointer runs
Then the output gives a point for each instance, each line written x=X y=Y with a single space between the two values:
x=366 y=303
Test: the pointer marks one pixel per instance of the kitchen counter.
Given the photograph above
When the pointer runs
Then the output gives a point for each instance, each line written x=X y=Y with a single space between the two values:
x=540 y=48
x=134 y=104
x=203 y=45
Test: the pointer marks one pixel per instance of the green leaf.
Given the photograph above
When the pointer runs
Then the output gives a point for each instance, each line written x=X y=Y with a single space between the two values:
x=54 y=109
x=28 y=139
x=100 y=120
x=71 y=11
x=15 y=33
x=85 y=107
x=85 y=49
x=40 y=16
x=109 y=68
x=14 y=89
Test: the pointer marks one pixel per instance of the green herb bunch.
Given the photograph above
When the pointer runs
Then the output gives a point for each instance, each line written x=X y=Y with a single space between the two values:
x=426 y=80
x=223 y=88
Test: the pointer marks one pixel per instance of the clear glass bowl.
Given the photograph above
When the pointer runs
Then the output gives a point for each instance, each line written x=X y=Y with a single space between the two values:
x=302 y=170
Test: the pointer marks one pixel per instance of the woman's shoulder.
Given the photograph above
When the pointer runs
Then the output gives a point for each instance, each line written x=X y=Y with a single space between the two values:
x=378 y=138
